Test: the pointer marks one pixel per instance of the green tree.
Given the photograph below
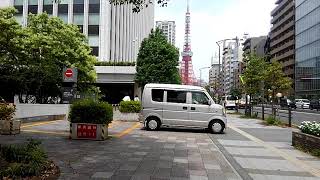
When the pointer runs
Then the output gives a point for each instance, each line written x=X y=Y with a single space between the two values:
x=40 y=52
x=236 y=92
x=157 y=61
x=276 y=80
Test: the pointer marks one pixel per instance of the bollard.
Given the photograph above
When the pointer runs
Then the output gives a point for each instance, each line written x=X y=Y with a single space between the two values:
x=290 y=116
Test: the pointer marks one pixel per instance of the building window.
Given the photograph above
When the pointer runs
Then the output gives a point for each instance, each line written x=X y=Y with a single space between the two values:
x=93 y=30
x=94 y=6
x=48 y=6
x=95 y=51
x=33 y=6
x=78 y=14
x=63 y=10
x=78 y=6
x=18 y=4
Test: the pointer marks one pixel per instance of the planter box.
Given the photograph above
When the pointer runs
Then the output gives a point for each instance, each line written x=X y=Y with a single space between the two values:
x=119 y=116
x=6 y=128
x=306 y=141
x=88 y=131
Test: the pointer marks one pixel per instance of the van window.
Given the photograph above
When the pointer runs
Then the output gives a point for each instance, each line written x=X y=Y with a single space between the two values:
x=157 y=95
x=176 y=96
x=200 y=98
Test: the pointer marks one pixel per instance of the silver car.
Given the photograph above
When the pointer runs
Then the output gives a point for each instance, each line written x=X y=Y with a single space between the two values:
x=167 y=105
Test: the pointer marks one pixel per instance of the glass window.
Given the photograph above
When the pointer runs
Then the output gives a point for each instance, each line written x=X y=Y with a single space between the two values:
x=63 y=9
x=78 y=8
x=157 y=95
x=33 y=2
x=94 y=19
x=93 y=40
x=78 y=19
x=78 y=1
x=200 y=98
x=47 y=2
x=95 y=51
x=94 y=8
x=176 y=96
x=93 y=30
x=64 y=17
x=18 y=2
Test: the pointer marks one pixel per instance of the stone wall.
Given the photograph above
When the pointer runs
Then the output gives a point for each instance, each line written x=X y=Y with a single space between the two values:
x=309 y=142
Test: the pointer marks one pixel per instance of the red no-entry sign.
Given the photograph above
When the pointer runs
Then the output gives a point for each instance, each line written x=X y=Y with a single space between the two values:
x=68 y=73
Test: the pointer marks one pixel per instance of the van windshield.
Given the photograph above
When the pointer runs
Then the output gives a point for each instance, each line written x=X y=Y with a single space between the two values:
x=231 y=98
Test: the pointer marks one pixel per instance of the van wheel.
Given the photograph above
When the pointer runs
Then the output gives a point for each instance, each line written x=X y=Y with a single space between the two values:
x=153 y=124
x=216 y=127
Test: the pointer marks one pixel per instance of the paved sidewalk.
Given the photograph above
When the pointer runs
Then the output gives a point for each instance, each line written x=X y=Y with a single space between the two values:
x=260 y=152
x=166 y=154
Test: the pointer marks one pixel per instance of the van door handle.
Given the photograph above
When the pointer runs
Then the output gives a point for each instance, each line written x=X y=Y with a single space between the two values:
x=185 y=108
x=193 y=108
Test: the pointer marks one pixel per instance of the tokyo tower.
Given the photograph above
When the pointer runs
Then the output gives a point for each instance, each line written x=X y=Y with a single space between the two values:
x=186 y=68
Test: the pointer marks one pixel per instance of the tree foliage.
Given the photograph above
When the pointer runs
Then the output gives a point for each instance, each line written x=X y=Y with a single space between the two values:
x=157 y=61
x=258 y=71
x=32 y=58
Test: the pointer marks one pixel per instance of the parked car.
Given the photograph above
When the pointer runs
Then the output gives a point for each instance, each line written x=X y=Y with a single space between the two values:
x=286 y=103
x=315 y=104
x=167 y=105
x=302 y=103
x=229 y=102
x=241 y=103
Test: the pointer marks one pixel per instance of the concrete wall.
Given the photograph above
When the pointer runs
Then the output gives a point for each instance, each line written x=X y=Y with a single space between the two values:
x=38 y=110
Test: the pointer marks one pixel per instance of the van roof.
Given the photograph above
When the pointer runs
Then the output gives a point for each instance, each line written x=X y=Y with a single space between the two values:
x=173 y=86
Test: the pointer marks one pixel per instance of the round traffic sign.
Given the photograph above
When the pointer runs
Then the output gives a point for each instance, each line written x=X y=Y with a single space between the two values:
x=68 y=73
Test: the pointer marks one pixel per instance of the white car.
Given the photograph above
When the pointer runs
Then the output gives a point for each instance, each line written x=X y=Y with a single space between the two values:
x=168 y=105
x=302 y=103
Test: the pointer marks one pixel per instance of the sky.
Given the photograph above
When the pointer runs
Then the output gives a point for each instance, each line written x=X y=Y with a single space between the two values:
x=214 y=20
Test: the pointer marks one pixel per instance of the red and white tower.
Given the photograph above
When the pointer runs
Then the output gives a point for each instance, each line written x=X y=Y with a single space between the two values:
x=186 y=68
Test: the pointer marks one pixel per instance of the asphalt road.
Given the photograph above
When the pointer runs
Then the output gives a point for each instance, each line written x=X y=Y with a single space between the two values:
x=297 y=116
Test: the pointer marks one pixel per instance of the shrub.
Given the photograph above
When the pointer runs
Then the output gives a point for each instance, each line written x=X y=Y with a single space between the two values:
x=130 y=106
x=91 y=111
x=7 y=111
x=312 y=128
x=273 y=121
x=23 y=160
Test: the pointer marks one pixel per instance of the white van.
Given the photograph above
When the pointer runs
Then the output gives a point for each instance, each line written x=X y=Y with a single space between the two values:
x=168 y=105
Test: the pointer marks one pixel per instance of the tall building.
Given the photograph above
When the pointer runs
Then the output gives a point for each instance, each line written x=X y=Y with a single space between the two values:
x=282 y=36
x=307 y=31
x=169 y=30
x=114 y=33
x=186 y=68
x=231 y=59
x=255 y=45
x=214 y=70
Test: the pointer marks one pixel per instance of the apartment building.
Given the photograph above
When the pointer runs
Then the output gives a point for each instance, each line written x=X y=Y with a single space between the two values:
x=169 y=30
x=282 y=35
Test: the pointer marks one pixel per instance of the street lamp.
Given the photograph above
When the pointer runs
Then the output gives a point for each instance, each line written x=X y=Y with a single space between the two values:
x=201 y=73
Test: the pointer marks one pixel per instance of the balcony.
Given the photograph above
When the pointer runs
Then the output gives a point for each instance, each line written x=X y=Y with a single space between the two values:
x=280 y=31
x=279 y=6
x=282 y=38
x=280 y=23
x=286 y=9
x=284 y=46
x=285 y=55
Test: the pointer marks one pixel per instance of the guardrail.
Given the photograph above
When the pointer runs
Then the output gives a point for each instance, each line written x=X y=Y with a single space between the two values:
x=274 y=111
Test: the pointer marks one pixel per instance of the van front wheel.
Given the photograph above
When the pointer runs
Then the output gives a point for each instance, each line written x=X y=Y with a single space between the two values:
x=153 y=124
x=216 y=127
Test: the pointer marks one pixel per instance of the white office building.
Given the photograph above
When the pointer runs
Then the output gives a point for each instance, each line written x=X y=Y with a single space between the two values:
x=169 y=30
x=114 y=33
x=214 y=70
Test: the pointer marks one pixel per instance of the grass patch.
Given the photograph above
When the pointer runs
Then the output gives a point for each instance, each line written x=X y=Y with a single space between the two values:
x=272 y=121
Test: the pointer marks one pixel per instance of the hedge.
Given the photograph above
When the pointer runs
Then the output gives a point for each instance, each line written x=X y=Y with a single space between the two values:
x=90 y=111
x=7 y=111
x=130 y=106
x=312 y=128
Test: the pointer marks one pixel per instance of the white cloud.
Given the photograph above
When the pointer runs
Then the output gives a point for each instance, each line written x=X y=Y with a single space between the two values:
x=241 y=16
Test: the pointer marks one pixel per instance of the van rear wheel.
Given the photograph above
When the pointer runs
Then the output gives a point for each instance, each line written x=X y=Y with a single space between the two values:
x=216 y=127
x=153 y=124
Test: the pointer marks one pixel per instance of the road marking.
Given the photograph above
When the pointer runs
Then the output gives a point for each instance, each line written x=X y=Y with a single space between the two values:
x=46 y=132
x=303 y=165
x=113 y=124
x=40 y=123
x=127 y=131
